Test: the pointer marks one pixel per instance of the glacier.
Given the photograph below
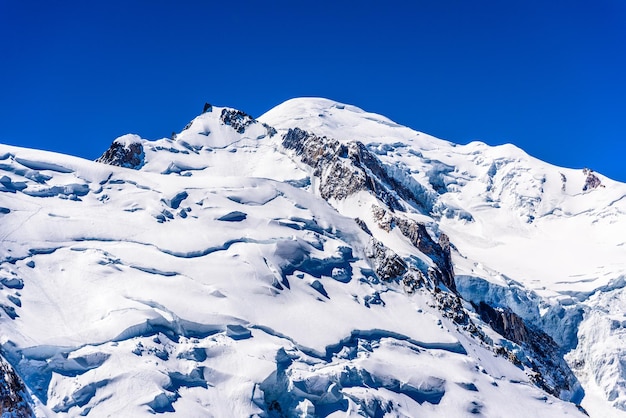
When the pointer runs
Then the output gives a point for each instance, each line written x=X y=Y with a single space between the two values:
x=318 y=260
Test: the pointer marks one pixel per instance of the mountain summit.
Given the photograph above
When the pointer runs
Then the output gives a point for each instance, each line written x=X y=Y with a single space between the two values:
x=317 y=261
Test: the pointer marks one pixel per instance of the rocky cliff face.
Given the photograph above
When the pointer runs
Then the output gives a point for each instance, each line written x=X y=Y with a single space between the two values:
x=388 y=265
x=591 y=181
x=540 y=352
x=14 y=399
x=236 y=119
x=345 y=169
x=422 y=241
x=129 y=155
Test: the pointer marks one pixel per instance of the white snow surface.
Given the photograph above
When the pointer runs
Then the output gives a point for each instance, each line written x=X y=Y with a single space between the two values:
x=215 y=281
x=537 y=242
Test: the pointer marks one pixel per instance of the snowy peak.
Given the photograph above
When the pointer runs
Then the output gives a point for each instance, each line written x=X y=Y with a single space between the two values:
x=463 y=181
x=203 y=145
x=219 y=127
x=344 y=122
x=319 y=261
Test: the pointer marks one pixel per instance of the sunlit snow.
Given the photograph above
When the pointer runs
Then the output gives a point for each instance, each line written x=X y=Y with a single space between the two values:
x=211 y=279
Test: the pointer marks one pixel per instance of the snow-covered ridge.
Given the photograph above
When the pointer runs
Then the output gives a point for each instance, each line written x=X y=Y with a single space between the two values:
x=516 y=221
x=228 y=270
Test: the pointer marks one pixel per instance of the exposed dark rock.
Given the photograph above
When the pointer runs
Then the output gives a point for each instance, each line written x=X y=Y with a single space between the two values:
x=339 y=177
x=387 y=264
x=363 y=226
x=413 y=280
x=188 y=125
x=383 y=218
x=345 y=169
x=129 y=156
x=504 y=322
x=419 y=237
x=551 y=372
x=14 y=399
x=270 y=130
x=207 y=108
x=236 y=119
x=452 y=308
x=592 y=181
x=309 y=147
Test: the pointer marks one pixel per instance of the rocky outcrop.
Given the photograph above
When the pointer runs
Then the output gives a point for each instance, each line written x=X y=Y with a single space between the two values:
x=14 y=400
x=129 y=155
x=440 y=254
x=592 y=181
x=345 y=169
x=387 y=264
x=504 y=322
x=339 y=176
x=416 y=232
x=543 y=355
x=271 y=131
x=236 y=119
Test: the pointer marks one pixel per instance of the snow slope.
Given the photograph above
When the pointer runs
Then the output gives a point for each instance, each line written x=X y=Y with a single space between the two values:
x=528 y=237
x=221 y=273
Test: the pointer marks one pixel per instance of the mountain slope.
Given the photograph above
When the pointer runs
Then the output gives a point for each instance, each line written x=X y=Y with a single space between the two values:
x=538 y=239
x=246 y=268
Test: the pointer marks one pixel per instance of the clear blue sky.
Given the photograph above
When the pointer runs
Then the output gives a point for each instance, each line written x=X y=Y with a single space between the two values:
x=548 y=76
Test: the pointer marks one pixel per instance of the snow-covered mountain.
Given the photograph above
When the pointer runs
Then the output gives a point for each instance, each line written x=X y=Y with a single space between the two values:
x=317 y=261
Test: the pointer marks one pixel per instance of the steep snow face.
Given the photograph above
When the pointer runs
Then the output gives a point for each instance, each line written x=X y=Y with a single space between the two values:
x=599 y=356
x=529 y=236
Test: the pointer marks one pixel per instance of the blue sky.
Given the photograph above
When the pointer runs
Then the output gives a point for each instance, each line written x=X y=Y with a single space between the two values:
x=548 y=76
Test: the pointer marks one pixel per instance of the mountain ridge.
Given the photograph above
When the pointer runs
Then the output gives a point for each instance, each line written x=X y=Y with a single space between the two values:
x=230 y=188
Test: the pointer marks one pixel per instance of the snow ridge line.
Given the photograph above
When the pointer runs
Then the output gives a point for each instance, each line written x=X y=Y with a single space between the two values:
x=367 y=335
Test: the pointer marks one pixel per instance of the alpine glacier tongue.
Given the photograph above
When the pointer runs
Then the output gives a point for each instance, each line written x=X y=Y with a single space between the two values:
x=319 y=261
